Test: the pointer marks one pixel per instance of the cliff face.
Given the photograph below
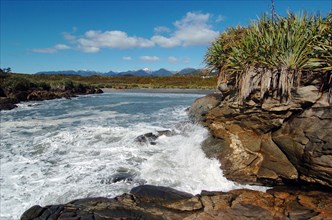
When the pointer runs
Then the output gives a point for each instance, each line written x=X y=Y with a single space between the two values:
x=270 y=142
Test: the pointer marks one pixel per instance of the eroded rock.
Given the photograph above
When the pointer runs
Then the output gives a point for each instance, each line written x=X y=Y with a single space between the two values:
x=270 y=142
x=155 y=202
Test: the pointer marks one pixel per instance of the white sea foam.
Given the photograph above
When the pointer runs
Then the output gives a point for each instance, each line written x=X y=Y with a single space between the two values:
x=70 y=149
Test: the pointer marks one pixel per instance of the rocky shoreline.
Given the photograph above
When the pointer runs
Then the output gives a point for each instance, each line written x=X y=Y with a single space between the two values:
x=287 y=146
x=156 y=202
x=9 y=99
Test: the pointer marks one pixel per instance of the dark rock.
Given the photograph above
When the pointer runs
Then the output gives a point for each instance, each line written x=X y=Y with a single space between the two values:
x=158 y=194
x=122 y=176
x=155 y=202
x=18 y=95
x=151 y=137
x=33 y=212
x=7 y=103
x=98 y=91
x=2 y=93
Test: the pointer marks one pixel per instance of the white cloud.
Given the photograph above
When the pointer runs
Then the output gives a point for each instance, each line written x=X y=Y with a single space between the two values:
x=127 y=58
x=149 y=58
x=61 y=47
x=172 y=60
x=162 y=29
x=93 y=41
x=166 y=42
x=53 y=49
x=69 y=35
x=44 y=50
x=191 y=30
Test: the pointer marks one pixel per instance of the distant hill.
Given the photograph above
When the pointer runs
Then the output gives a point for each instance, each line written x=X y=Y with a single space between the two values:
x=141 y=72
x=72 y=72
x=162 y=72
x=186 y=71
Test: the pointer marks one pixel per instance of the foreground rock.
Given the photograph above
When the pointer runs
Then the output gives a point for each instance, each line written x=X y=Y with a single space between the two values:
x=271 y=142
x=152 y=202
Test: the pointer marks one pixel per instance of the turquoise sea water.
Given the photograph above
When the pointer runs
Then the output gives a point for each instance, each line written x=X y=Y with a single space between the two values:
x=60 y=150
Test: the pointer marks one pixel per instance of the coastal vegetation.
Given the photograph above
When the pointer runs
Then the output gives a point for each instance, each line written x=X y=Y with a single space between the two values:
x=25 y=87
x=15 y=88
x=273 y=55
x=116 y=82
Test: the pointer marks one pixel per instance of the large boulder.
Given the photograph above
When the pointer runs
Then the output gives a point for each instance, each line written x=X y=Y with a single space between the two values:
x=270 y=142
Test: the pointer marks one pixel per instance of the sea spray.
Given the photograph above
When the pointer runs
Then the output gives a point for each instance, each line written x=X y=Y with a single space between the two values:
x=60 y=150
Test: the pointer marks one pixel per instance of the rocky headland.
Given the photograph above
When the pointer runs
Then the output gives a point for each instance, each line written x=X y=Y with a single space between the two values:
x=270 y=142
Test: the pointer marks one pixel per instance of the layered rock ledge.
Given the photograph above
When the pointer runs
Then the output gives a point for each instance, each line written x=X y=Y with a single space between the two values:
x=270 y=142
x=153 y=202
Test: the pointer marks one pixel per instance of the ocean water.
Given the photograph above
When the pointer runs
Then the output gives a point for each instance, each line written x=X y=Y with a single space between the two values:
x=59 y=150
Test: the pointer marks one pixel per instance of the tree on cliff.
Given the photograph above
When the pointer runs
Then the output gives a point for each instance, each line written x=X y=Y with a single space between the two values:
x=274 y=55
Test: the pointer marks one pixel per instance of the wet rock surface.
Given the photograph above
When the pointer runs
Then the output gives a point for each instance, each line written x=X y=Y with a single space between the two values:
x=271 y=142
x=155 y=202
x=151 y=137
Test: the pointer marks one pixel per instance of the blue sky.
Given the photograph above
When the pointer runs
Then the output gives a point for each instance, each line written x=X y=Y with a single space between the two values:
x=123 y=35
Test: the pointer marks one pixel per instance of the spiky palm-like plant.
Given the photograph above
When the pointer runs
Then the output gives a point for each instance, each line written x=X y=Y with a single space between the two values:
x=219 y=52
x=271 y=54
x=321 y=59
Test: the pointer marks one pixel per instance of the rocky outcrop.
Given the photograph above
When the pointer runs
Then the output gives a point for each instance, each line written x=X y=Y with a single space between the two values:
x=41 y=95
x=203 y=105
x=13 y=97
x=307 y=141
x=270 y=142
x=151 y=137
x=7 y=103
x=153 y=202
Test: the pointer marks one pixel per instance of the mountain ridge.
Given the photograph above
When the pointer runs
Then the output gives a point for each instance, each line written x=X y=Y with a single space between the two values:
x=140 y=72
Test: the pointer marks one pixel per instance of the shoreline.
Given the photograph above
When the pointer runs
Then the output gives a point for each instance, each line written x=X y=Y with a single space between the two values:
x=144 y=90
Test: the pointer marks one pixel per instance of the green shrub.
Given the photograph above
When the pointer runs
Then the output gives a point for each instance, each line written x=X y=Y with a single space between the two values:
x=16 y=83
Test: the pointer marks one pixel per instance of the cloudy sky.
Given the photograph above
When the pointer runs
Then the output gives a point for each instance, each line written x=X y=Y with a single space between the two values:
x=43 y=35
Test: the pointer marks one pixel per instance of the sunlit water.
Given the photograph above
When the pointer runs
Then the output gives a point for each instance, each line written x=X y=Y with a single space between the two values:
x=60 y=150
